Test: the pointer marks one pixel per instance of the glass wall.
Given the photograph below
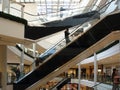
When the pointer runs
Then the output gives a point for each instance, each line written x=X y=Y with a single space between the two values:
x=59 y=8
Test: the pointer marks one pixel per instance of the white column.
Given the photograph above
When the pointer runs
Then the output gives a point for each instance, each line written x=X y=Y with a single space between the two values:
x=6 y=6
x=119 y=45
x=79 y=76
x=34 y=54
x=118 y=4
x=95 y=70
x=22 y=11
x=3 y=66
x=22 y=60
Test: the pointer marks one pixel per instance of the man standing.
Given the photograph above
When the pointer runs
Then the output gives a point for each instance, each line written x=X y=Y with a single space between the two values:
x=67 y=36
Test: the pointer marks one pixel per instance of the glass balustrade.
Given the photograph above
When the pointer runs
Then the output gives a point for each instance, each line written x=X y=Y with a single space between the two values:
x=102 y=86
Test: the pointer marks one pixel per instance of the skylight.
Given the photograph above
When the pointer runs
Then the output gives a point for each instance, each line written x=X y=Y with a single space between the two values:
x=60 y=8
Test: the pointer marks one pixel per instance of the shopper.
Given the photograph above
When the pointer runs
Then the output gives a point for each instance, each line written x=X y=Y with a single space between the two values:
x=115 y=79
x=17 y=73
x=67 y=35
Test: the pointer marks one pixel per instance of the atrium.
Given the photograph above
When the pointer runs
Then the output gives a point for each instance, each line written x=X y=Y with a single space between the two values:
x=32 y=39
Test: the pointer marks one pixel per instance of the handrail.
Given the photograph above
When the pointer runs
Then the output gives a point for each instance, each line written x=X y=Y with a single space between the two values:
x=104 y=87
x=72 y=32
x=97 y=84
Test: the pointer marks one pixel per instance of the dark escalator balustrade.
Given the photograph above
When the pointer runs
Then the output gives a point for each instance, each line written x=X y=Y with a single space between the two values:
x=93 y=35
x=36 y=32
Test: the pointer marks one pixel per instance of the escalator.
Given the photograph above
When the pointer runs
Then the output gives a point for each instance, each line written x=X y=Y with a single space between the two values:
x=93 y=35
x=60 y=84
x=36 y=32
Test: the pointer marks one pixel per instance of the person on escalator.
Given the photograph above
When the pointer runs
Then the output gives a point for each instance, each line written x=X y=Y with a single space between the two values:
x=17 y=73
x=67 y=35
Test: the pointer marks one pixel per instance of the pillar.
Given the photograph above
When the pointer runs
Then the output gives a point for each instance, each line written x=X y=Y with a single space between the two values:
x=3 y=66
x=22 y=61
x=118 y=4
x=34 y=55
x=79 y=75
x=22 y=11
x=95 y=70
x=119 y=45
x=6 y=6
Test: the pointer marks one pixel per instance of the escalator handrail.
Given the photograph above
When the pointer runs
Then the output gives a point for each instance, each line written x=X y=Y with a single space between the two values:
x=97 y=84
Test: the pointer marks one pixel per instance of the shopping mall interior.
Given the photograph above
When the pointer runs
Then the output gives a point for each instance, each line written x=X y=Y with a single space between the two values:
x=37 y=54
